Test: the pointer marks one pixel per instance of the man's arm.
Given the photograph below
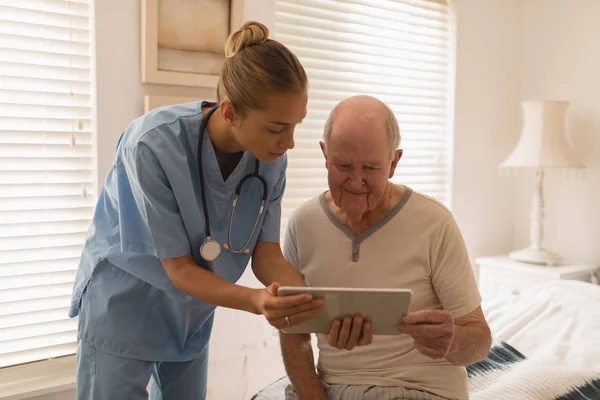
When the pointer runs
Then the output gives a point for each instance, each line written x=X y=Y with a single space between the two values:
x=269 y=266
x=299 y=362
x=462 y=341
x=472 y=339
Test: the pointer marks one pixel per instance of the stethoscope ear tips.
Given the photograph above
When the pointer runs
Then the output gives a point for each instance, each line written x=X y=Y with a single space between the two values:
x=226 y=247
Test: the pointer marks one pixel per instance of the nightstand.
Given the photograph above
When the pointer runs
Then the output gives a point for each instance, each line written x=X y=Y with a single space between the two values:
x=499 y=276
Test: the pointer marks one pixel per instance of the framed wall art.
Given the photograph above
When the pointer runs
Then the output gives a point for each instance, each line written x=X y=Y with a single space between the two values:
x=183 y=41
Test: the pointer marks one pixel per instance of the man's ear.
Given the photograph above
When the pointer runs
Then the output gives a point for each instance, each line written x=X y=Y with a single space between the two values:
x=397 y=157
x=228 y=112
x=322 y=144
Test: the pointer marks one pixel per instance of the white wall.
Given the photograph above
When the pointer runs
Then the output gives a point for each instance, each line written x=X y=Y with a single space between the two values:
x=487 y=92
x=561 y=60
x=509 y=51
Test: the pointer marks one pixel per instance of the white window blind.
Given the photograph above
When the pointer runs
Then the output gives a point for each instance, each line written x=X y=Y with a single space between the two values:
x=397 y=51
x=46 y=172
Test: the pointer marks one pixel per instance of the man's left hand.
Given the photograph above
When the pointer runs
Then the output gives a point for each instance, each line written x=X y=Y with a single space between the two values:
x=432 y=331
x=349 y=333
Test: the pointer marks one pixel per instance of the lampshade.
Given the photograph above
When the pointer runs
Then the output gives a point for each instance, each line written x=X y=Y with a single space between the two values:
x=543 y=143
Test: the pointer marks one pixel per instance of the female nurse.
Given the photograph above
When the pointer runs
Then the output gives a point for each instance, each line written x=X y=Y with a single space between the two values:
x=194 y=193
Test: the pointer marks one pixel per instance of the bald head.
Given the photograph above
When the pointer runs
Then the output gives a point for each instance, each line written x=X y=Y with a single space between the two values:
x=366 y=111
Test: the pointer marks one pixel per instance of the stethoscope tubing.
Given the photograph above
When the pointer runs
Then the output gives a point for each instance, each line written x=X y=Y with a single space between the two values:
x=238 y=190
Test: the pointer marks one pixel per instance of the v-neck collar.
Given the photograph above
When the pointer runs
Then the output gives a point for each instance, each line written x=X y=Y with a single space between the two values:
x=212 y=175
x=211 y=165
x=358 y=239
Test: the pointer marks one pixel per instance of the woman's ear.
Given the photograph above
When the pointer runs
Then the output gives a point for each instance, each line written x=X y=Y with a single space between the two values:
x=228 y=112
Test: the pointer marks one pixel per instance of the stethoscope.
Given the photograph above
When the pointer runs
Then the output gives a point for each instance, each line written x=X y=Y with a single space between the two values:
x=210 y=249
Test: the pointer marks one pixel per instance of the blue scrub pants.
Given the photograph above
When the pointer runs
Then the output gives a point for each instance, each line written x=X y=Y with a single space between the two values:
x=101 y=376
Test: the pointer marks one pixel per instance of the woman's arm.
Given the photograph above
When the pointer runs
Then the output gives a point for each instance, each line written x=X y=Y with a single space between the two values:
x=203 y=285
x=269 y=265
x=272 y=269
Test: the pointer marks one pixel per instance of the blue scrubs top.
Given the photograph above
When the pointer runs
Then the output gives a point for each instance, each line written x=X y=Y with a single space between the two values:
x=150 y=208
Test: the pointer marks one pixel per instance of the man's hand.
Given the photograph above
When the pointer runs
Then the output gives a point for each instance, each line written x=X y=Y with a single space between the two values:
x=432 y=331
x=349 y=333
x=296 y=308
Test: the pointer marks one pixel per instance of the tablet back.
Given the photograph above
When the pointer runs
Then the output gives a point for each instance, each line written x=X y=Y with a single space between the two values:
x=384 y=308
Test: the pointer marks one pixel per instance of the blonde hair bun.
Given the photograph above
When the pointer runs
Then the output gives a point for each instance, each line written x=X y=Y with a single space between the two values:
x=250 y=33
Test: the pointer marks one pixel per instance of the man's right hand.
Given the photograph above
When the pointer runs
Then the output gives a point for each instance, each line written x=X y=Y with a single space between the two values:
x=350 y=333
x=297 y=308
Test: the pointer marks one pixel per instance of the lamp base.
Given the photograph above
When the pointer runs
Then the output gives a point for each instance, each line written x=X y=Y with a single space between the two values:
x=535 y=256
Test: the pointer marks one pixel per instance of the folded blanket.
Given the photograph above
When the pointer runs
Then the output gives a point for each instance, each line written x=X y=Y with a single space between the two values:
x=507 y=374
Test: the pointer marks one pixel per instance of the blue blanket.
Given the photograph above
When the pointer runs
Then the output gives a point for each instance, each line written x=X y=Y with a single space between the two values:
x=506 y=374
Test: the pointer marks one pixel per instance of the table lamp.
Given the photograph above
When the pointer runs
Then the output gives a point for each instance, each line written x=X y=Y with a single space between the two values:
x=542 y=146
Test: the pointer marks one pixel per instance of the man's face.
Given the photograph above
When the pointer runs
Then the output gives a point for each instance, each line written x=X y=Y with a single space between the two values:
x=358 y=162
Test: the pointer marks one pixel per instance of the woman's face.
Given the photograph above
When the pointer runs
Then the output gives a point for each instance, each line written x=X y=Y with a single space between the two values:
x=267 y=134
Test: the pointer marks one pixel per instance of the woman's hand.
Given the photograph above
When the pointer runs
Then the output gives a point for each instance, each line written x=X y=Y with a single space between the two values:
x=296 y=308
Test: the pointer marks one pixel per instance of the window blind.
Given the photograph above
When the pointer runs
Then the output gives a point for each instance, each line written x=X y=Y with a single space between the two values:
x=397 y=51
x=46 y=172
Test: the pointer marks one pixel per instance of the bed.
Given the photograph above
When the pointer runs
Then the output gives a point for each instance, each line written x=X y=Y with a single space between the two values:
x=546 y=346
x=560 y=319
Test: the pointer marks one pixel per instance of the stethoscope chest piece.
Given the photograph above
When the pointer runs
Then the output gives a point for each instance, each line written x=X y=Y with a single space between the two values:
x=210 y=250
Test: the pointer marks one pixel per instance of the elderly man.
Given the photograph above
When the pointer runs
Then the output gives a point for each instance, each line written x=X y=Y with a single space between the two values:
x=369 y=232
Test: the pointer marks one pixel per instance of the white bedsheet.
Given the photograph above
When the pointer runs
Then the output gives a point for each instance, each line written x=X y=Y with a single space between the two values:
x=558 y=320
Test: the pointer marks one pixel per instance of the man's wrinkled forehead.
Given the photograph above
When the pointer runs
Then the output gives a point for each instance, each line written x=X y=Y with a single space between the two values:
x=359 y=123
x=354 y=115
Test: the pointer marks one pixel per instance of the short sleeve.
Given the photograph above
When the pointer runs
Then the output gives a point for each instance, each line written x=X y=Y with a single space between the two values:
x=290 y=244
x=149 y=218
x=452 y=276
x=271 y=228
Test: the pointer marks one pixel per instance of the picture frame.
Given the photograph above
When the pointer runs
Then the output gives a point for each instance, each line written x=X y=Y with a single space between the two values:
x=182 y=46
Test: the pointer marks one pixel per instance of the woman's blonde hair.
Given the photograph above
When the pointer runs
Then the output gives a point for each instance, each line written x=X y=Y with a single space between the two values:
x=257 y=67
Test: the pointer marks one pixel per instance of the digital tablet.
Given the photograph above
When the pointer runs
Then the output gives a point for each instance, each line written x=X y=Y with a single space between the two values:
x=384 y=308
